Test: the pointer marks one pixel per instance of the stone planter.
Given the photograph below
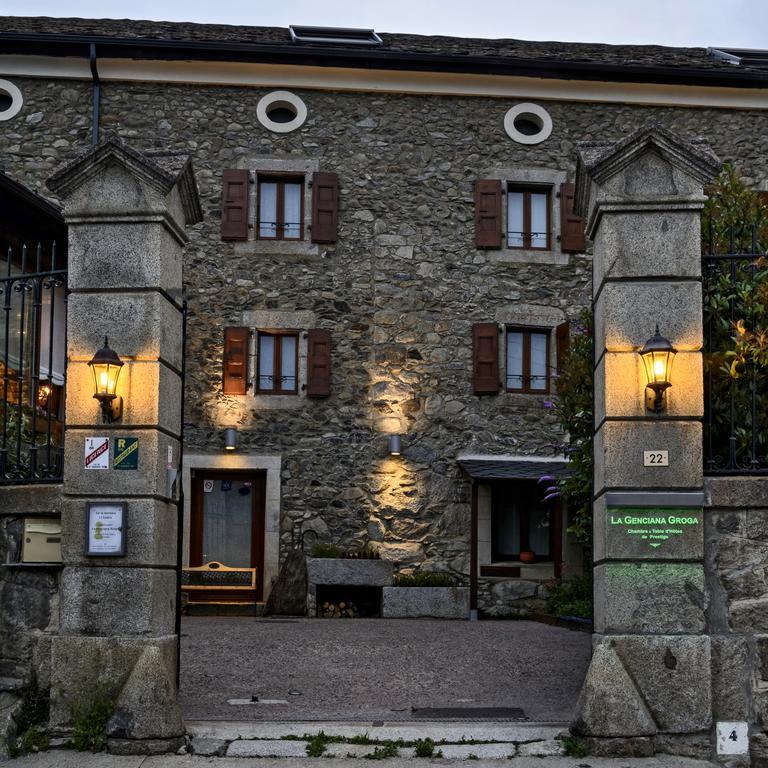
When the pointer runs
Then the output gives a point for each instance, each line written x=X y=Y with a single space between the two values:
x=322 y=571
x=433 y=602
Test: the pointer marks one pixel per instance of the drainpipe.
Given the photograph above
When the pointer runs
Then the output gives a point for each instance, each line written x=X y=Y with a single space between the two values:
x=473 y=556
x=96 y=96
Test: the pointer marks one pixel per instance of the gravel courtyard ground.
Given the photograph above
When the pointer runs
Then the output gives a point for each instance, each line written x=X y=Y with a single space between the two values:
x=375 y=669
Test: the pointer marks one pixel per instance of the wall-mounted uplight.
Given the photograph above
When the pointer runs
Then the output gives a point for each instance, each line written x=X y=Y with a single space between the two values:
x=657 y=356
x=106 y=365
x=394 y=445
x=230 y=439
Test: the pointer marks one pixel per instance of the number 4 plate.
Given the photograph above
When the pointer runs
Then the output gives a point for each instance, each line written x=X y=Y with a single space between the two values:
x=732 y=738
x=655 y=458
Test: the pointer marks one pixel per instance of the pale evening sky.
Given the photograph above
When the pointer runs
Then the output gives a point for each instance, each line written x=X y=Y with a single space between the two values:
x=734 y=23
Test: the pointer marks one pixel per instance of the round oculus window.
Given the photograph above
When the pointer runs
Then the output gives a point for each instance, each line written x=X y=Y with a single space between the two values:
x=281 y=111
x=528 y=123
x=11 y=100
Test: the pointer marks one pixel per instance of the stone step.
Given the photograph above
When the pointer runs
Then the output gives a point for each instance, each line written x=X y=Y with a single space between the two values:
x=296 y=749
x=449 y=732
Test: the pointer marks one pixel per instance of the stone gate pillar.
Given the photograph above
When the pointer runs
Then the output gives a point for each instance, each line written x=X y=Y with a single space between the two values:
x=650 y=679
x=126 y=214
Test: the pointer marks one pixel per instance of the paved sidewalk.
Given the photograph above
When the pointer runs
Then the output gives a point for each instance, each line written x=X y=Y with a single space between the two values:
x=61 y=759
x=376 y=669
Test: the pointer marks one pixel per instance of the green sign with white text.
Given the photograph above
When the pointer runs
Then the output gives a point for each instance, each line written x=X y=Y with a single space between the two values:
x=651 y=531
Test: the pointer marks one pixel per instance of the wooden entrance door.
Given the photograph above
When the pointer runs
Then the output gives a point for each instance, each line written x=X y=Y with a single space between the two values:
x=227 y=528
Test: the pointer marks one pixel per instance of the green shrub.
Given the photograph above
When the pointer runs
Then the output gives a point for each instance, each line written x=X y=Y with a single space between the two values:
x=90 y=729
x=31 y=720
x=425 y=747
x=317 y=745
x=386 y=750
x=326 y=550
x=425 y=579
x=573 y=747
x=571 y=598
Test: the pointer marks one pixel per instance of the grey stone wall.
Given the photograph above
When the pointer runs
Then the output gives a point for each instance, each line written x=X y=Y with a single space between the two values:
x=29 y=601
x=399 y=291
x=736 y=551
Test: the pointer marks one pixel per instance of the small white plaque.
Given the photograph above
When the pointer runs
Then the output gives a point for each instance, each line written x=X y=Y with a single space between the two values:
x=97 y=453
x=732 y=738
x=105 y=527
x=655 y=458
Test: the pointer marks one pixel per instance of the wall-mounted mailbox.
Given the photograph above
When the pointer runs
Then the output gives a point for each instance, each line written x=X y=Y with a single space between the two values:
x=42 y=540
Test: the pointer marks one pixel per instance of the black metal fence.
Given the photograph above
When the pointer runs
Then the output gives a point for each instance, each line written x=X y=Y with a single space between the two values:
x=735 y=292
x=32 y=363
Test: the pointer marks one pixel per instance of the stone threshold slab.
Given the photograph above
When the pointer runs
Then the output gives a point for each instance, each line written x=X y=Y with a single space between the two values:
x=503 y=732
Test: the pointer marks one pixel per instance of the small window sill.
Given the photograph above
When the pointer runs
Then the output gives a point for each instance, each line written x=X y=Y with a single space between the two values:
x=528 y=256
x=262 y=402
x=33 y=566
x=282 y=248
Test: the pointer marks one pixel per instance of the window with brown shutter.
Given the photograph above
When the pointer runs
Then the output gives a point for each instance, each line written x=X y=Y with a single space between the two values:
x=488 y=226
x=277 y=369
x=235 y=361
x=485 y=358
x=572 y=238
x=234 y=205
x=318 y=363
x=325 y=207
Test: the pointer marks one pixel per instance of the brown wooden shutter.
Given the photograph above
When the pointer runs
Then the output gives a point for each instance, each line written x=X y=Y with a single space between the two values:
x=235 y=361
x=488 y=218
x=234 y=205
x=572 y=238
x=563 y=339
x=325 y=207
x=319 y=363
x=485 y=358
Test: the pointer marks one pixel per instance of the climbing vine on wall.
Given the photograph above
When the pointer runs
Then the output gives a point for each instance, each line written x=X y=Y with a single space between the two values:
x=574 y=409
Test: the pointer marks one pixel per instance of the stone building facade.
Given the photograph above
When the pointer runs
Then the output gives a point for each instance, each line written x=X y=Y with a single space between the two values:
x=401 y=287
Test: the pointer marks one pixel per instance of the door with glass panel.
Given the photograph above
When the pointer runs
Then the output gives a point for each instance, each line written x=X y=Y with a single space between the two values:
x=226 y=542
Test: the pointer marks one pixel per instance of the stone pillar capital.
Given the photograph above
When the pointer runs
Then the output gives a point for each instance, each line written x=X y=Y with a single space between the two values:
x=648 y=168
x=115 y=182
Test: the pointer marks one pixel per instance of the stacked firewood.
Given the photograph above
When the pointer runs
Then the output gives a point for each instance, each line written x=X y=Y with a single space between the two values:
x=340 y=610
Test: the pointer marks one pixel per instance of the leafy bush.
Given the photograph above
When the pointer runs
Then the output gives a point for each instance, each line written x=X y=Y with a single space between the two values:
x=573 y=747
x=424 y=579
x=386 y=750
x=574 y=410
x=90 y=729
x=571 y=598
x=424 y=747
x=317 y=745
x=31 y=720
x=325 y=550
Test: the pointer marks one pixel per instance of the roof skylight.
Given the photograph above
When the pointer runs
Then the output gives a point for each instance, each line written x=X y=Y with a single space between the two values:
x=333 y=35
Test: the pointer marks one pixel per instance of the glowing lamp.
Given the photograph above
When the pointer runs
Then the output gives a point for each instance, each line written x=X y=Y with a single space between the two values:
x=230 y=439
x=106 y=365
x=657 y=355
x=394 y=445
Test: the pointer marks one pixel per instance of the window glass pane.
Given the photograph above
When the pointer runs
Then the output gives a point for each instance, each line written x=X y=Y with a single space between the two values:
x=292 y=213
x=266 y=361
x=51 y=344
x=538 y=361
x=267 y=209
x=538 y=220
x=538 y=530
x=507 y=531
x=514 y=360
x=227 y=524
x=515 y=219
x=288 y=363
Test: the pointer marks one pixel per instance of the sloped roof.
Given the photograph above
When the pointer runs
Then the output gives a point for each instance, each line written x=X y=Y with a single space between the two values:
x=629 y=62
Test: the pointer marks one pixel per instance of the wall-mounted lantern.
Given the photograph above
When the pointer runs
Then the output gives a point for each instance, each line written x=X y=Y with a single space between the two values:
x=394 y=445
x=106 y=365
x=230 y=439
x=657 y=355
